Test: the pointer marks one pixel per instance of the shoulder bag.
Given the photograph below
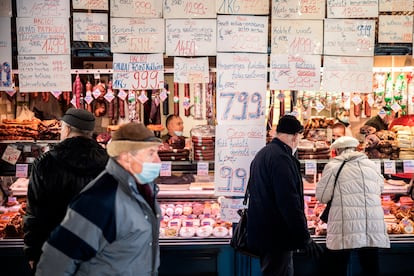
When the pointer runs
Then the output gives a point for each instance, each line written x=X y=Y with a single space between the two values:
x=239 y=238
x=325 y=214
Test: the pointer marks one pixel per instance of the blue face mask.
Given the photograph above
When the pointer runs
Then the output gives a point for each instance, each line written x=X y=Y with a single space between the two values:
x=150 y=171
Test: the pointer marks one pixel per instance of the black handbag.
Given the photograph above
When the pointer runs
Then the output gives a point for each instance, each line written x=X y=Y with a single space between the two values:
x=325 y=214
x=239 y=238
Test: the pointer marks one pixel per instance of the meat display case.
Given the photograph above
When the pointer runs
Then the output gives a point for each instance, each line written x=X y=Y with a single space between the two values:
x=213 y=255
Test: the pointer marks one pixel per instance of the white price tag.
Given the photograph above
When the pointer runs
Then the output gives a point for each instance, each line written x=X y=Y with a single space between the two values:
x=165 y=169
x=202 y=168
x=310 y=167
x=408 y=166
x=22 y=170
x=389 y=167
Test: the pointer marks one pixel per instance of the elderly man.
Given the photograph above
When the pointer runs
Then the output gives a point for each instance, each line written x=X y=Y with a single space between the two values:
x=112 y=227
x=58 y=176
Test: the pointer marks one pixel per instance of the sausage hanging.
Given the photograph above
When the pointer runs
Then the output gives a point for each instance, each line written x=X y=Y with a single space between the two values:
x=176 y=99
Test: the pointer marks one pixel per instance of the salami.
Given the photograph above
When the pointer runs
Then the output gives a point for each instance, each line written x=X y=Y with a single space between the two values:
x=176 y=99
x=77 y=90
x=187 y=99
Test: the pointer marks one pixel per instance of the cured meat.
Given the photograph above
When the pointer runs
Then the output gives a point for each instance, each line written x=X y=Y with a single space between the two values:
x=77 y=89
x=176 y=99
x=187 y=99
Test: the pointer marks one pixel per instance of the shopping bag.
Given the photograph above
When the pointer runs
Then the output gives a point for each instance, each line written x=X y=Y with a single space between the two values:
x=325 y=214
x=239 y=239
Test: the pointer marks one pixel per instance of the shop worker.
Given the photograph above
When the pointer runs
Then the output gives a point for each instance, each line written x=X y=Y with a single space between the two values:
x=112 y=226
x=57 y=176
x=277 y=224
x=382 y=119
x=175 y=127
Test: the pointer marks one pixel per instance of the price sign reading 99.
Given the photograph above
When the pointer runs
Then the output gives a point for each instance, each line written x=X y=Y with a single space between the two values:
x=241 y=106
x=235 y=179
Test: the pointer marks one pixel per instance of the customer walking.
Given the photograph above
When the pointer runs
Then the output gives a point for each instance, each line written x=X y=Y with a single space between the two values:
x=356 y=218
x=57 y=176
x=277 y=223
x=112 y=226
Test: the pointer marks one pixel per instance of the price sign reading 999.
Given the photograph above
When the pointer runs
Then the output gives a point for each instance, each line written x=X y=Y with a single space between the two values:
x=138 y=72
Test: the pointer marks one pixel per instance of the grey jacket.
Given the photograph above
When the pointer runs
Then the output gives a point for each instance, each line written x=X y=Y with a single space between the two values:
x=109 y=229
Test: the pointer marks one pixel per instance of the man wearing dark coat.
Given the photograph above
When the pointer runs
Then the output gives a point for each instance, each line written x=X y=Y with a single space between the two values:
x=277 y=223
x=57 y=176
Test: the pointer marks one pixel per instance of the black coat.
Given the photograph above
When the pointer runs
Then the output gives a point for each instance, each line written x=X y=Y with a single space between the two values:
x=56 y=177
x=276 y=212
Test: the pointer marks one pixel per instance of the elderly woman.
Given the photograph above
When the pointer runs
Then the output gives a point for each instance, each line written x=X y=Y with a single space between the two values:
x=356 y=219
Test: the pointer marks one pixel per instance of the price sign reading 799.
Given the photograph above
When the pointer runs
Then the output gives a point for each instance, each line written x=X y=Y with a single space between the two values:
x=240 y=106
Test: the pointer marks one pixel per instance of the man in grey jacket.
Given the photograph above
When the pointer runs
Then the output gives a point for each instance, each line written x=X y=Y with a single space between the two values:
x=112 y=226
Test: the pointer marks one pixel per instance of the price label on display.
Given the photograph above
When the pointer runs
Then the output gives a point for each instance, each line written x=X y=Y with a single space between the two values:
x=165 y=169
x=11 y=155
x=408 y=166
x=310 y=167
x=389 y=167
x=202 y=168
x=22 y=170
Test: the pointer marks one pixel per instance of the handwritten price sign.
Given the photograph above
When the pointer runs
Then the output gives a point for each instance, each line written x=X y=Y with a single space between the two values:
x=352 y=8
x=347 y=74
x=43 y=36
x=294 y=9
x=90 y=27
x=395 y=29
x=90 y=4
x=241 y=87
x=243 y=7
x=189 y=8
x=136 y=8
x=11 y=155
x=138 y=72
x=33 y=8
x=5 y=54
x=191 y=70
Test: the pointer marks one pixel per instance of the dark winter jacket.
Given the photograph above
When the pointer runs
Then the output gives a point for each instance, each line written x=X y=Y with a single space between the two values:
x=56 y=177
x=276 y=213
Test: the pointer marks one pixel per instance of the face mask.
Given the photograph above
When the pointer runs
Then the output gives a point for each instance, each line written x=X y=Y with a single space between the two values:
x=345 y=120
x=150 y=171
x=178 y=133
x=294 y=151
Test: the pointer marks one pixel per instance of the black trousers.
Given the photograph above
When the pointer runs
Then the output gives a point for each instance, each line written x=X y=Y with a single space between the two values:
x=277 y=263
x=335 y=262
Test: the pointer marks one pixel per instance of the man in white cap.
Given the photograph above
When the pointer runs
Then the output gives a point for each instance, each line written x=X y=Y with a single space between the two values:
x=356 y=218
x=59 y=175
x=112 y=226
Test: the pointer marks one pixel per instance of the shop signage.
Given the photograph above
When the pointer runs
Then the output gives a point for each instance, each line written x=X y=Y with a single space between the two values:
x=190 y=9
x=190 y=37
x=191 y=70
x=294 y=9
x=351 y=8
x=44 y=73
x=136 y=9
x=40 y=8
x=241 y=88
x=92 y=27
x=300 y=72
x=297 y=37
x=43 y=36
x=258 y=7
x=235 y=148
x=349 y=37
x=5 y=54
x=6 y=9
x=242 y=33
x=395 y=29
x=137 y=35
x=395 y=5
x=347 y=74
x=138 y=72
x=90 y=4
x=229 y=207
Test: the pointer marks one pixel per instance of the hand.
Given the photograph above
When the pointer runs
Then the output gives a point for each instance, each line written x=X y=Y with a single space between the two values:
x=313 y=249
x=31 y=264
